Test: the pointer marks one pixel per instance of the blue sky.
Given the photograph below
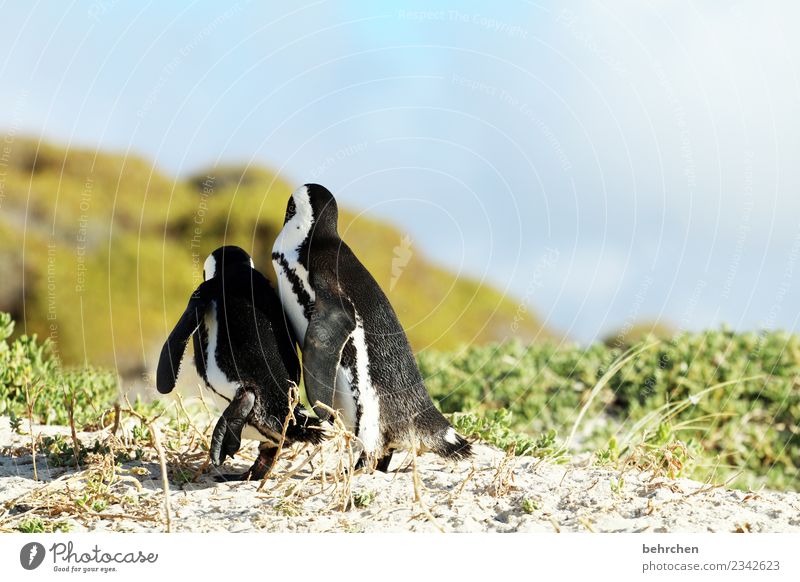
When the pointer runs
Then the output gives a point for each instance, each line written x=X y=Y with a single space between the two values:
x=603 y=163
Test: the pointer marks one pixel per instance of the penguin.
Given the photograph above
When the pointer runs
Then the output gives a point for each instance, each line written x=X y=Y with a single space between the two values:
x=356 y=356
x=246 y=356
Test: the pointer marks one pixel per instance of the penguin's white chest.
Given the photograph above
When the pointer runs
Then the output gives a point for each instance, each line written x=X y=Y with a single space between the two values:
x=216 y=378
x=288 y=271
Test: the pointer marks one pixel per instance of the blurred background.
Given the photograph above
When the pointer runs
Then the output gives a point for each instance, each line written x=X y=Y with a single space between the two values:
x=576 y=173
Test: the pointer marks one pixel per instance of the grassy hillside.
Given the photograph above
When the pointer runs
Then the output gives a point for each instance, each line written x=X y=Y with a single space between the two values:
x=100 y=252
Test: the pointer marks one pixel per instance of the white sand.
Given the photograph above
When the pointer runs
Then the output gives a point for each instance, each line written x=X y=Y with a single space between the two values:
x=559 y=498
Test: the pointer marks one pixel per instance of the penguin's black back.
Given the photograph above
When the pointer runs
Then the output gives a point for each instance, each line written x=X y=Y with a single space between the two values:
x=254 y=346
x=393 y=368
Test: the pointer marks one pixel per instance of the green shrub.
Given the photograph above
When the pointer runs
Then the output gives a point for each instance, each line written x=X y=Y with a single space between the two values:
x=30 y=370
x=728 y=402
x=38 y=525
x=715 y=405
x=494 y=427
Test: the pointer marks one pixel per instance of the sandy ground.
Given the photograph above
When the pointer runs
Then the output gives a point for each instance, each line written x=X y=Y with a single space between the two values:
x=488 y=493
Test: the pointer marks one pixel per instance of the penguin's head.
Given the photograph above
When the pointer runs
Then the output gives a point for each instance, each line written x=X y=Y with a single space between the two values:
x=312 y=207
x=225 y=258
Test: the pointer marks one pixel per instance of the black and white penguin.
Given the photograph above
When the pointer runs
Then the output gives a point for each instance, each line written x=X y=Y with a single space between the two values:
x=244 y=352
x=356 y=356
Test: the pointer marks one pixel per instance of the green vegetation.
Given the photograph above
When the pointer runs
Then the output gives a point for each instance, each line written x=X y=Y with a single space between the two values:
x=60 y=451
x=715 y=405
x=363 y=499
x=112 y=248
x=495 y=427
x=37 y=525
x=30 y=373
x=529 y=505
x=288 y=508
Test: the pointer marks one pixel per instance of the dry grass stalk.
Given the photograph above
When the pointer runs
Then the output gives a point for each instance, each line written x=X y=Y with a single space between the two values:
x=418 y=487
x=76 y=495
x=30 y=400
x=156 y=433
x=117 y=418
x=294 y=399
x=97 y=484
x=340 y=439
x=202 y=435
x=69 y=401
x=503 y=481
x=659 y=462
x=295 y=470
x=616 y=367
x=457 y=493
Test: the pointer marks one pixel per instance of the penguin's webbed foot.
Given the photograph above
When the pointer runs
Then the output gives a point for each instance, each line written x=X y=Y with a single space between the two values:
x=255 y=473
x=232 y=477
x=382 y=465
x=384 y=462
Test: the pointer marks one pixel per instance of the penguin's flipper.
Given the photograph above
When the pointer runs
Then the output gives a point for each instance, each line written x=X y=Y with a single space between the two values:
x=227 y=436
x=332 y=322
x=172 y=353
